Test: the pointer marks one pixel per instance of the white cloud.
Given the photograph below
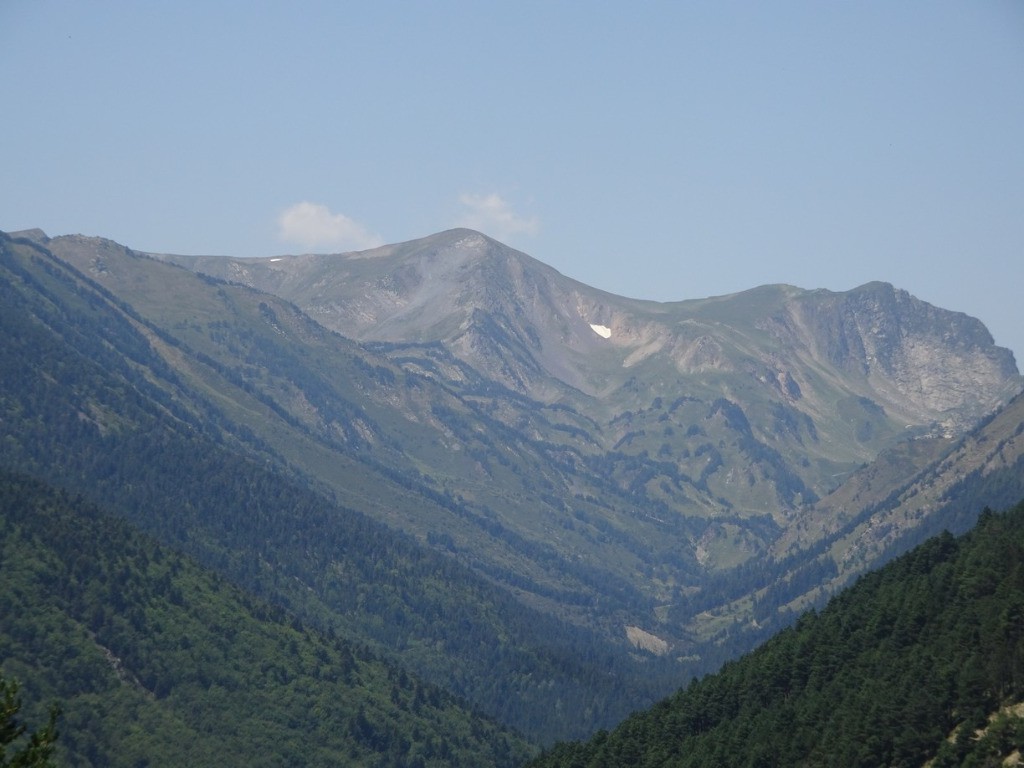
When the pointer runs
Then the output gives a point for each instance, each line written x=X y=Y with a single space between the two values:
x=492 y=215
x=312 y=225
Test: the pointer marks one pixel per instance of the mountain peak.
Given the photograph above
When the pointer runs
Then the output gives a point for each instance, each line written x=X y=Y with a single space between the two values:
x=35 y=234
x=532 y=329
x=463 y=236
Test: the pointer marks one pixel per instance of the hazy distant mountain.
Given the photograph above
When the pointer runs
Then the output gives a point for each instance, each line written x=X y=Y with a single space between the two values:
x=816 y=381
x=658 y=485
x=524 y=324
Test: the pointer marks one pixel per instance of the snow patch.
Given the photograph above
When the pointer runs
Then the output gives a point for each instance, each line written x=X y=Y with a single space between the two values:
x=277 y=259
x=602 y=330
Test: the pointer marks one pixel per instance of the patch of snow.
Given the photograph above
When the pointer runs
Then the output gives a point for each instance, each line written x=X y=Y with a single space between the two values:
x=277 y=259
x=602 y=330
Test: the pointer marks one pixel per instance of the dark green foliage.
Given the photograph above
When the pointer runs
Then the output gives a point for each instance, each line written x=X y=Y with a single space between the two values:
x=931 y=643
x=159 y=662
x=27 y=749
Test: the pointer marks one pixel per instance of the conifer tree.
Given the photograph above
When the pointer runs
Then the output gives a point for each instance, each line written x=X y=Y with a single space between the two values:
x=31 y=751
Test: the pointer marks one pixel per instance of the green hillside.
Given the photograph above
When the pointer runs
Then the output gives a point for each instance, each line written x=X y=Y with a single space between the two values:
x=908 y=665
x=156 y=661
x=89 y=404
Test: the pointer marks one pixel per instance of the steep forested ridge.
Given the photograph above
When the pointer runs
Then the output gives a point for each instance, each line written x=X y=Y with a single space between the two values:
x=930 y=645
x=156 y=661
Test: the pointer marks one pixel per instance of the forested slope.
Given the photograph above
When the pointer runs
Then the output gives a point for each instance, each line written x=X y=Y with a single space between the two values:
x=156 y=661
x=87 y=405
x=930 y=645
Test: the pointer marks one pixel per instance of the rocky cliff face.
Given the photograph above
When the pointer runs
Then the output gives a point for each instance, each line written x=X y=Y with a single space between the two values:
x=925 y=362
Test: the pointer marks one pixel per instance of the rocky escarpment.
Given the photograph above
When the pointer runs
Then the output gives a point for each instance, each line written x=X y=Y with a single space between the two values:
x=924 y=362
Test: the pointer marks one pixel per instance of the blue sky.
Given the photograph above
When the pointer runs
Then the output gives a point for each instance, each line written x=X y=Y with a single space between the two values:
x=663 y=150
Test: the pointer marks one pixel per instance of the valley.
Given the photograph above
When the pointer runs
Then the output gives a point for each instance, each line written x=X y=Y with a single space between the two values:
x=554 y=502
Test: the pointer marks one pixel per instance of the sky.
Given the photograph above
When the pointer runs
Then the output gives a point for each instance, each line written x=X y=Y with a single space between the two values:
x=658 y=150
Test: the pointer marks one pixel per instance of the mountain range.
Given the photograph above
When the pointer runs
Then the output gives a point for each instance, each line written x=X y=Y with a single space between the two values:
x=611 y=495
x=522 y=324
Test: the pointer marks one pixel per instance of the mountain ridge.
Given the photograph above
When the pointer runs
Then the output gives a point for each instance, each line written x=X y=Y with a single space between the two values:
x=435 y=289
x=673 y=514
